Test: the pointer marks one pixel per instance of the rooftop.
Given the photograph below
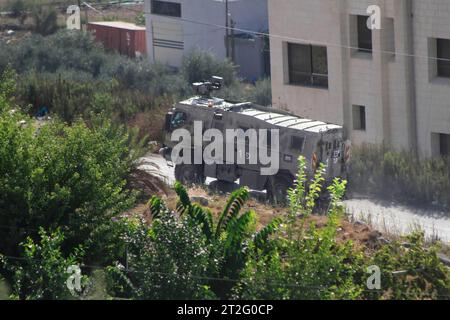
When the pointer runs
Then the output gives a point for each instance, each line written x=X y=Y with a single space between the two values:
x=272 y=116
x=118 y=24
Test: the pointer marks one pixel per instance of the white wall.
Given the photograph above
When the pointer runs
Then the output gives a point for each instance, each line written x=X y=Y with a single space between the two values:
x=248 y=14
x=397 y=92
x=431 y=20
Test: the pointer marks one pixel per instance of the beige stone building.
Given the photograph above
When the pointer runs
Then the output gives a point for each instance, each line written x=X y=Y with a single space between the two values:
x=388 y=85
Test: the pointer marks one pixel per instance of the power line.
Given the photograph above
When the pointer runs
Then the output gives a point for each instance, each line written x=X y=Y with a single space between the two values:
x=209 y=278
x=282 y=37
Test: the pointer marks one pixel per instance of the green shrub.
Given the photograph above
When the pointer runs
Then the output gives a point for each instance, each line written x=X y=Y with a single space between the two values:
x=78 y=54
x=18 y=9
x=53 y=175
x=139 y=19
x=45 y=19
x=4 y=288
x=262 y=92
x=42 y=271
x=73 y=75
x=7 y=88
x=412 y=272
x=165 y=261
x=200 y=66
x=376 y=169
x=308 y=263
x=189 y=255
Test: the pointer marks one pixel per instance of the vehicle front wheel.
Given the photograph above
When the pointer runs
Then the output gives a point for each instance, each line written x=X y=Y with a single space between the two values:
x=189 y=174
x=277 y=188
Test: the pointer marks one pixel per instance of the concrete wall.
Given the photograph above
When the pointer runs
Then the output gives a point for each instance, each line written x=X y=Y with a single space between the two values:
x=314 y=21
x=403 y=105
x=431 y=20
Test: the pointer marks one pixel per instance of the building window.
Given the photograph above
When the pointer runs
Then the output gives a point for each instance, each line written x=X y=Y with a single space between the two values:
x=364 y=35
x=444 y=144
x=443 y=57
x=165 y=8
x=359 y=118
x=308 y=65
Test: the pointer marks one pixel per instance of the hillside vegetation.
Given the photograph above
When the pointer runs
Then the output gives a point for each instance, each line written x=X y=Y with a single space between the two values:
x=66 y=197
x=400 y=175
x=62 y=192
x=73 y=77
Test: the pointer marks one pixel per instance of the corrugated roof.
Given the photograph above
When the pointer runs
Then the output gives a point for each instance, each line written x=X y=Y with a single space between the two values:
x=290 y=121
x=118 y=24
x=269 y=115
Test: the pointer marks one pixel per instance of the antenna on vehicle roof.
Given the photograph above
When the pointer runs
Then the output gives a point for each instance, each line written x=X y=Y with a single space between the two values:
x=205 y=88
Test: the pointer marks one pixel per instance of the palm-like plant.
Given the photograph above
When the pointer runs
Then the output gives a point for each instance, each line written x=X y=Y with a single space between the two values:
x=232 y=237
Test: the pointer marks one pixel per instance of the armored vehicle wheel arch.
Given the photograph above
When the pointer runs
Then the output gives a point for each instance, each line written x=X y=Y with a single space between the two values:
x=189 y=174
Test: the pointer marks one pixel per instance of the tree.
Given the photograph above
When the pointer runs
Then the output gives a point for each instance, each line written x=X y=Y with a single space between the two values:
x=53 y=175
x=18 y=10
x=232 y=237
x=45 y=20
x=307 y=262
x=42 y=271
x=168 y=260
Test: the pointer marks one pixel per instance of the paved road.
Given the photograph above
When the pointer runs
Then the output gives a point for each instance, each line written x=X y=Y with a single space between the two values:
x=385 y=216
x=400 y=219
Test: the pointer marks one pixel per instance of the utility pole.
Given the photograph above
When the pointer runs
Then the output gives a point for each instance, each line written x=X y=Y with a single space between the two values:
x=227 y=31
x=79 y=7
x=86 y=15
x=233 y=46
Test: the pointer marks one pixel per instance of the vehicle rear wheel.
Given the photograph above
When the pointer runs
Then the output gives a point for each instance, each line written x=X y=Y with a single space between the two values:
x=189 y=174
x=277 y=188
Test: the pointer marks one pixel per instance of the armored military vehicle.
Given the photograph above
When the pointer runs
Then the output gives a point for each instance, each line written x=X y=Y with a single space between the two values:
x=317 y=141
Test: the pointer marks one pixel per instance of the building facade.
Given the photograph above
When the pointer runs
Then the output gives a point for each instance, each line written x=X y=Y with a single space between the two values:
x=176 y=27
x=387 y=85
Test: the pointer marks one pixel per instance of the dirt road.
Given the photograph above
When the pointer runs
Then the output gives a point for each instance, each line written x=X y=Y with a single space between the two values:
x=385 y=216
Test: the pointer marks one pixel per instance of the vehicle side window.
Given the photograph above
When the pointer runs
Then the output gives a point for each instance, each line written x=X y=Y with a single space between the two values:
x=179 y=118
x=297 y=143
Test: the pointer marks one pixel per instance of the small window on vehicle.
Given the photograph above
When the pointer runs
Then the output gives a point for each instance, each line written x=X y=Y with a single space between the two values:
x=297 y=143
x=179 y=118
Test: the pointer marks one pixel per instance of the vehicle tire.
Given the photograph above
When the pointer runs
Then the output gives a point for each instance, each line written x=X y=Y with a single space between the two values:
x=277 y=188
x=189 y=174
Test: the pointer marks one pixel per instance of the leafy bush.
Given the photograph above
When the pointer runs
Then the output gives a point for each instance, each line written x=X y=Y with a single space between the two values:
x=310 y=263
x=77 y=52
x=307 y=263
x=54 y=176
x=189 y=256
x=165 y=261
x=412 y=271
x=377 y=169
x=73 y=75
x=45 y=19
x=139 y=19
x=262 y=92
x=200 y=66
x=17 y=8
x=7 y=88
x=42 y=271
